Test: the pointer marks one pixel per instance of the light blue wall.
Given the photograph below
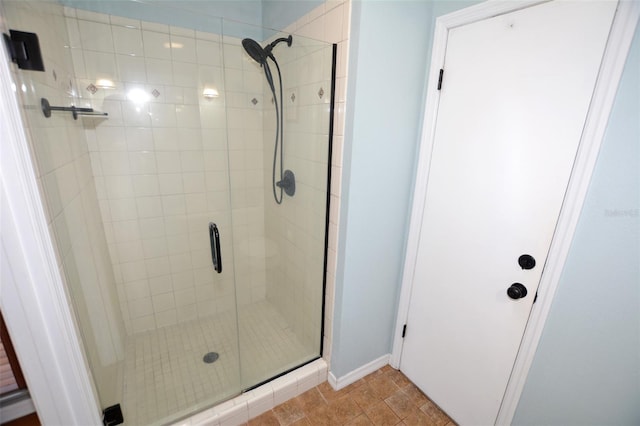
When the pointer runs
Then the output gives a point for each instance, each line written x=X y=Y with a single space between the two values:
x=390 y=48
x=277 y=14
x=587 y=367
x=196 y=14
x=386 y=84
x=204 y=15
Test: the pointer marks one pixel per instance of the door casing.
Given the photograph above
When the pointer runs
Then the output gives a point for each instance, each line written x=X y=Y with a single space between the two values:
x=620 y=37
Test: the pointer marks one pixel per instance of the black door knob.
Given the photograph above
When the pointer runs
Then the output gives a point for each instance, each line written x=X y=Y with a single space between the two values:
x=517 y=291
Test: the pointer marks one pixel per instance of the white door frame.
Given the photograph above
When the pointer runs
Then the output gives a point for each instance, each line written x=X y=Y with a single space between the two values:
x=32 y=293
x=620 y=37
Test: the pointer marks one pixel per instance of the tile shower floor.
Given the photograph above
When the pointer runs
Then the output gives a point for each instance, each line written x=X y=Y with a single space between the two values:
x=165 y=377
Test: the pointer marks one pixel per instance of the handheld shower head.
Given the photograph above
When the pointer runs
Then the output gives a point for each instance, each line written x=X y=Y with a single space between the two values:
x=260 y=54
x=254 y=50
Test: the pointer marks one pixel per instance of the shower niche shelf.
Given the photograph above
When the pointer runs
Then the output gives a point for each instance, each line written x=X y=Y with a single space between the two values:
x=75 y=111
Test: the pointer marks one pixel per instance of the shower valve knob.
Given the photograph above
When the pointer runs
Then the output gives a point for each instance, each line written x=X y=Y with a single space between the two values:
x=288 y=183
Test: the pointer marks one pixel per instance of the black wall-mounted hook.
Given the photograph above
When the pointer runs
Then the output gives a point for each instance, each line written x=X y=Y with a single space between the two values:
x=24 y=49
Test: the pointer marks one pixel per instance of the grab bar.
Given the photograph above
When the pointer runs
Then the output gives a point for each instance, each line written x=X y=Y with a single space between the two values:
x=214 y=239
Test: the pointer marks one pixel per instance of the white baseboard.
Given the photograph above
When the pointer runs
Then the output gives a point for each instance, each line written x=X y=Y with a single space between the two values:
x=358 y=373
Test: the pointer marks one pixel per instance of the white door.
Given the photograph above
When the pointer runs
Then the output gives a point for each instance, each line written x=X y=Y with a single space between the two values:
x=515 y=93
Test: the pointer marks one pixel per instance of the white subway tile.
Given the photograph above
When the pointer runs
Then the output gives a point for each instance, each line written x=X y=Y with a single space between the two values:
x=135 y=115
x=191 y=161
x=160 y=284
x=163 y=302
x=153 y=26
x=96 y=36
x=111 y=139
x=154 y=248
x=208 y=52
x=140 y=307
x=177 y=243
x=118 y=186
x=233 y=56
x=145 y=185
x=166 y=139
x=133 y=271
x=185 y=74
x=125 y=230
x=92 y=16
x=188 y=116
x=139 y=138
x=190 y=139
x=124 y=22
x=114 y=163
x=173 y=205
x=127 y=41
x=143 y=324
x=180 y=31
x=122 y=209
x=183 y=49
x=75 y=39
x=142 y=162
x=333 y=24
x=131 y=68
x=149 y=207
x=185 y=297
x=159 y=71
x=156 y=45
x=100 y=65
x=170 y=183
x=137 y=290
x=163 y=115
x=194 y=182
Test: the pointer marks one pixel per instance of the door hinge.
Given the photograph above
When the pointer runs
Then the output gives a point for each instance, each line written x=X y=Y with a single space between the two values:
x=404 y=330
x=440 y=79
x=535 y=297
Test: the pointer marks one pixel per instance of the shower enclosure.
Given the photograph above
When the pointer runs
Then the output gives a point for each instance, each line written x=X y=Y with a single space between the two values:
x=187 y=141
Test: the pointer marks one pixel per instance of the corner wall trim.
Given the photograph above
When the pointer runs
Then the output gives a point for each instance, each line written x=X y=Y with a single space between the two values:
x=358 y=373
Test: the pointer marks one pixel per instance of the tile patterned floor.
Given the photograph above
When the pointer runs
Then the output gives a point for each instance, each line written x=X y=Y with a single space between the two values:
x=385 y=398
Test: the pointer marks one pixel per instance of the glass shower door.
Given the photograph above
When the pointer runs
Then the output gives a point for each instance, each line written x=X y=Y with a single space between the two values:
x=279 y=235
x=129 y=198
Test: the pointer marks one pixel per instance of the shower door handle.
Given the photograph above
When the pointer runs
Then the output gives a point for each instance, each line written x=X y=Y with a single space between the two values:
x=214 y=239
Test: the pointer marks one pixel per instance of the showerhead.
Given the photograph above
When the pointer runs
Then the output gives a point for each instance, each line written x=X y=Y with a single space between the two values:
x=260 y=54
x=254 y=50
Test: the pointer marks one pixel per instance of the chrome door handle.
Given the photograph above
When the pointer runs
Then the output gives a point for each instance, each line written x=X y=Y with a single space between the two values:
x=214 y=239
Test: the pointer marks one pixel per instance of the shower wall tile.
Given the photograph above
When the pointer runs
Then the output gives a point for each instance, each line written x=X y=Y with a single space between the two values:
x=161 y=169
x=92 y=16
x=127 y=41
x=96 y=36
x=124 y=22
x=183 y=49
